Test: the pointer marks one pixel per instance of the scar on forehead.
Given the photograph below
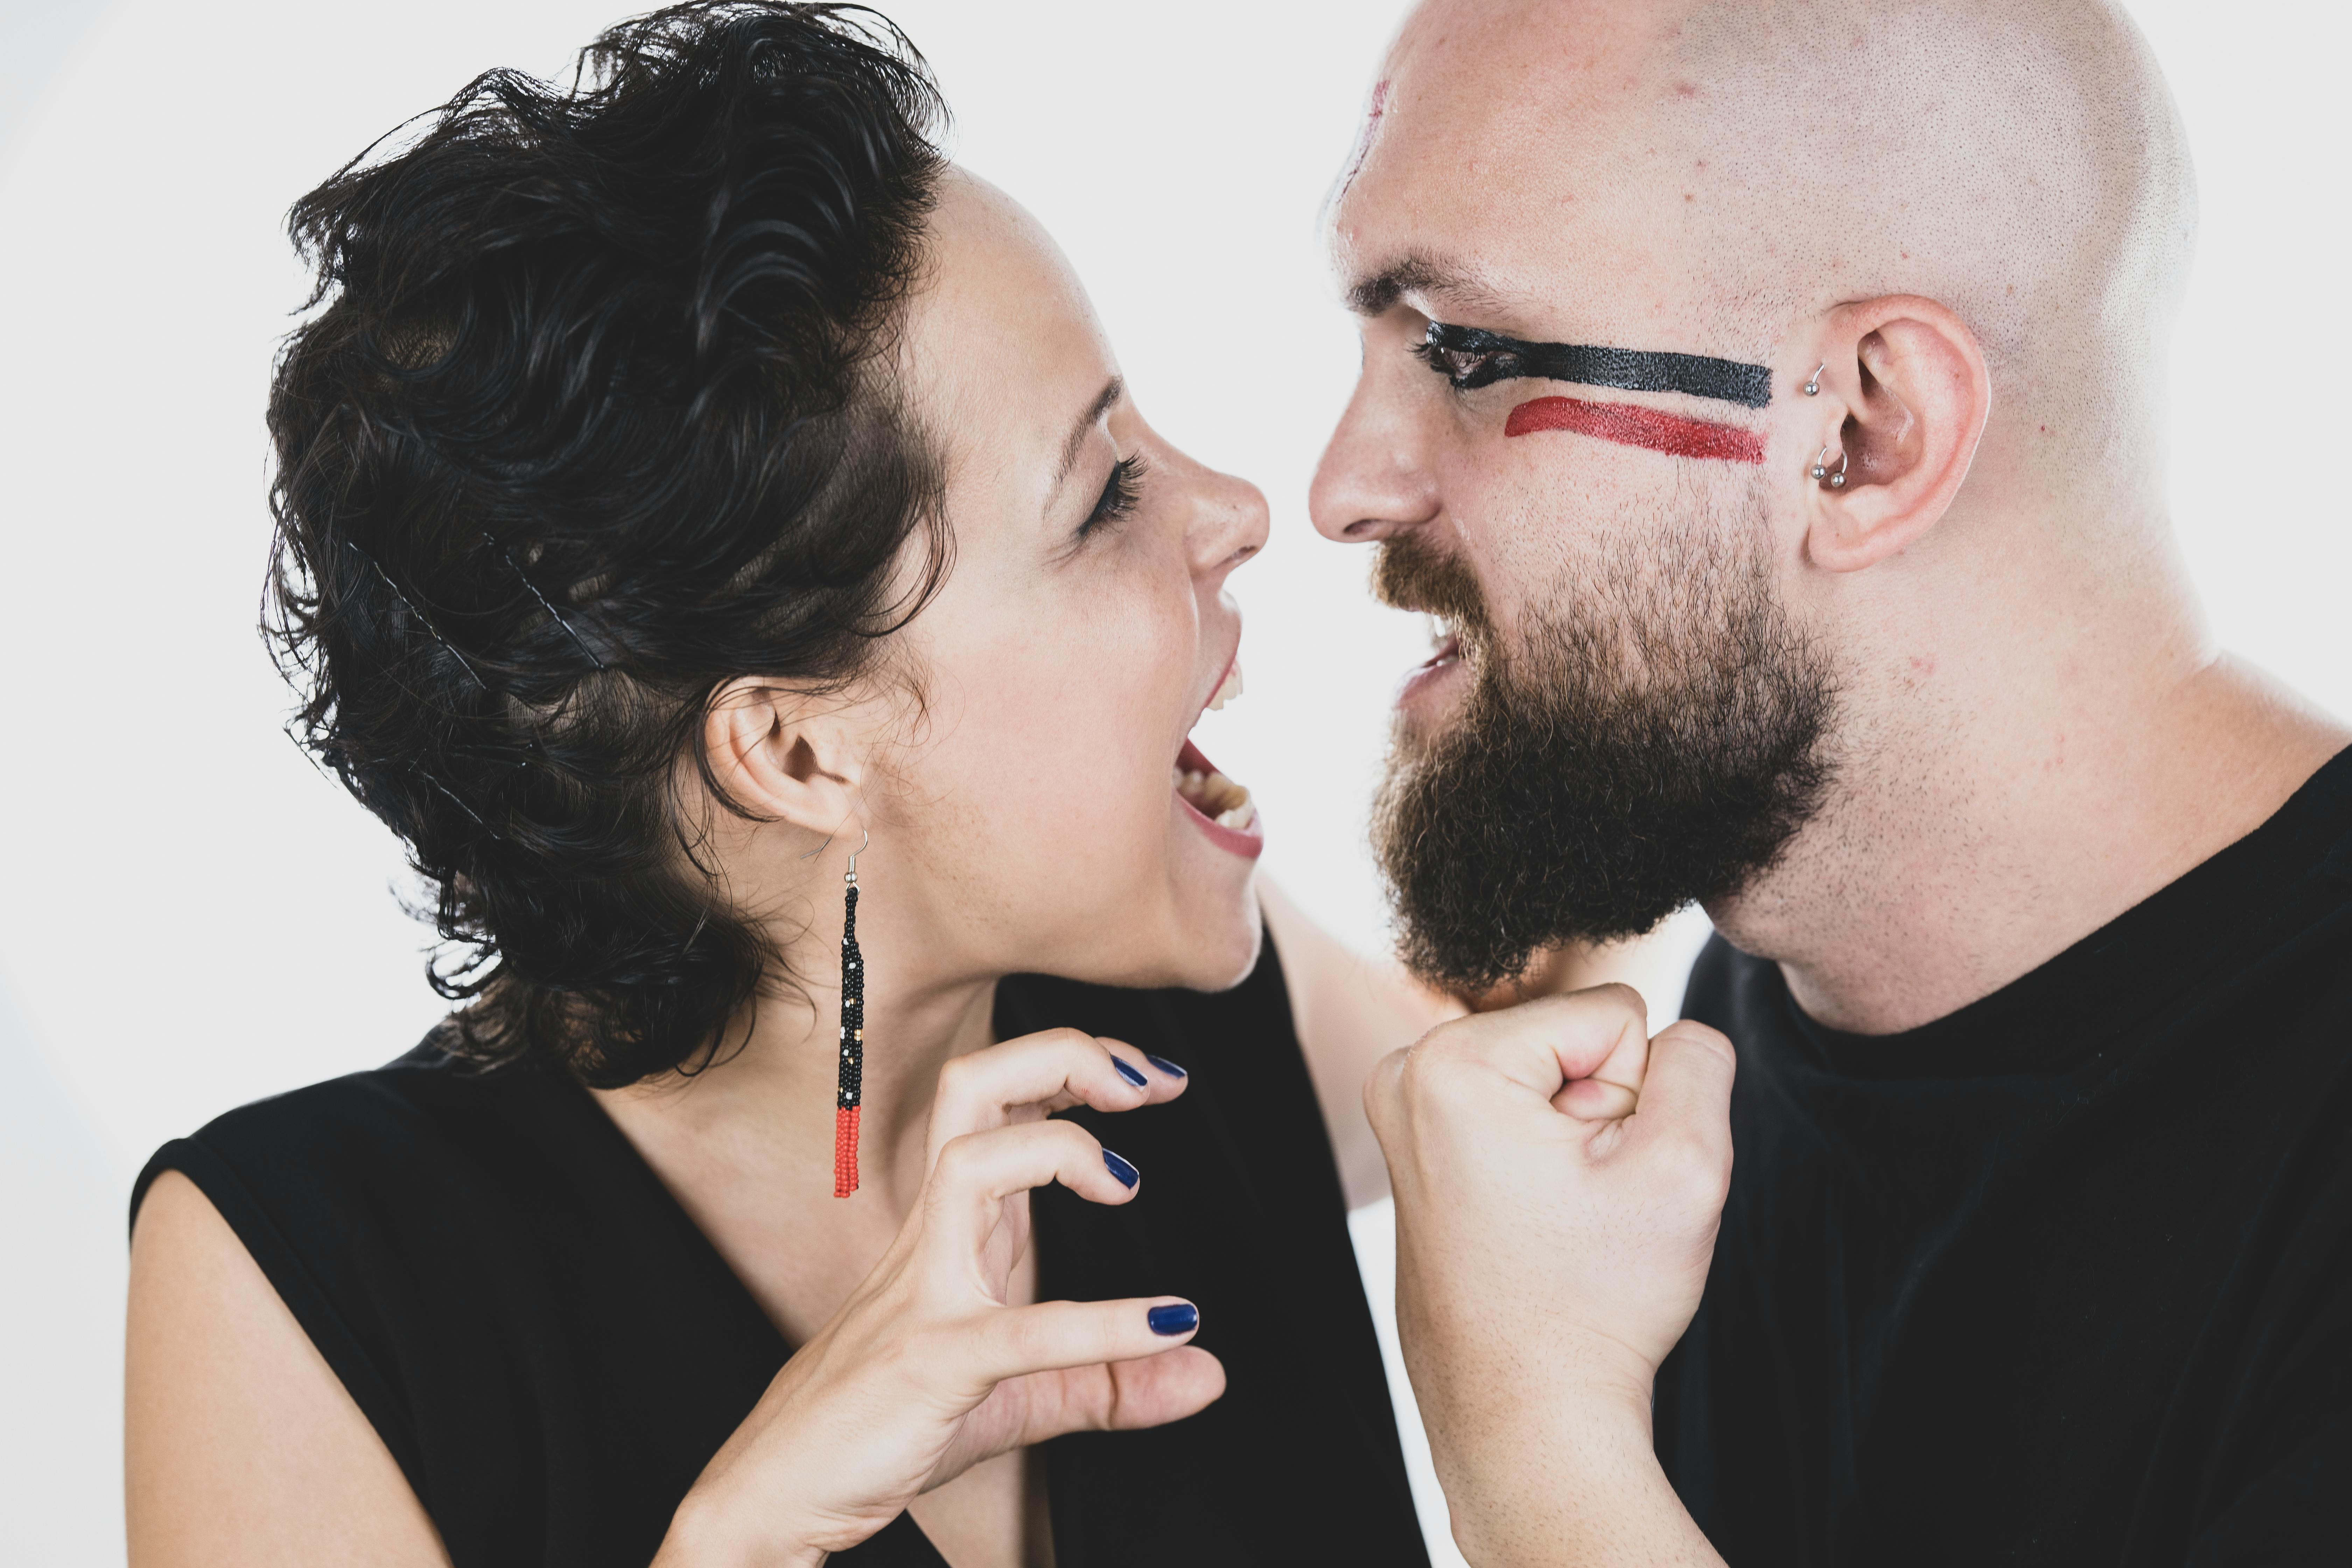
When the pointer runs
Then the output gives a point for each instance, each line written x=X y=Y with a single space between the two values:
x=1364 y=139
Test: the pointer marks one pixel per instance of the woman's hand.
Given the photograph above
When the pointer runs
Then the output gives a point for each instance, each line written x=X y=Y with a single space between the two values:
x=926 y=1371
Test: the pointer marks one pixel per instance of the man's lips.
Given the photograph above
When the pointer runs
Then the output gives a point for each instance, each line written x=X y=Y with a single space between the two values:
x=1434 y=670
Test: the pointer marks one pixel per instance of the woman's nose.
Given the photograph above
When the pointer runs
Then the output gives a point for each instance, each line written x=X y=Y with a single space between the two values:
x=1230 y=526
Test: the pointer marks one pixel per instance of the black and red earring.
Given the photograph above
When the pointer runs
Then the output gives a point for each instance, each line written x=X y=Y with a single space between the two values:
x=853 y=1035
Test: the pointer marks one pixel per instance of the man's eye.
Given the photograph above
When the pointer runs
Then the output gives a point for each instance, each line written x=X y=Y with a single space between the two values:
x=1466 y=358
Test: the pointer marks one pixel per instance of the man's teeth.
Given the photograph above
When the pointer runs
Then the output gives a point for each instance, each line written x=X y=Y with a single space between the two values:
x=1228 y=688
x=1216 y=797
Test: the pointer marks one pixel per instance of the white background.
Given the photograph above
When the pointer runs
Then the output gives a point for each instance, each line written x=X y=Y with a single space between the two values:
x=194 y=918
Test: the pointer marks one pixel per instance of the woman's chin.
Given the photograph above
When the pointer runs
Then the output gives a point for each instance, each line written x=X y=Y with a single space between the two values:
x=1207 y=944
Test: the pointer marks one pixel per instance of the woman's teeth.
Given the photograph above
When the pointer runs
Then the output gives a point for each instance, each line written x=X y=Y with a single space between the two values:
x=1229 y=687
x=1216 y=797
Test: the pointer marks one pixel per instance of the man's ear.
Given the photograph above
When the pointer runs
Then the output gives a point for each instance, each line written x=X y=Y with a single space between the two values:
x=1911 y=384
x=783 y=756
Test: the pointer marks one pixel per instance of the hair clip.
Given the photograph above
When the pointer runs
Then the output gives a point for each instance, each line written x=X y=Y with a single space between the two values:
x=509 y=555
x=352 y=545
x=453 y=798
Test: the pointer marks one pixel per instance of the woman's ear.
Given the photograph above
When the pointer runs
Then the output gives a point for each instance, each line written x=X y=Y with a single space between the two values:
x=1910 y=381
x=782 y=755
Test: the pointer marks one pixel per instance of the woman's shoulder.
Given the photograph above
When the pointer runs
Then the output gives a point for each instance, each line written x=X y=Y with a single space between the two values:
x=416 y=1125
x=492 y=1272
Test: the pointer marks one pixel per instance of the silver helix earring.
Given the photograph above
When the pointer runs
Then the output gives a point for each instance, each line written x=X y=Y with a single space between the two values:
x=1822 y=469
x=1813 y=386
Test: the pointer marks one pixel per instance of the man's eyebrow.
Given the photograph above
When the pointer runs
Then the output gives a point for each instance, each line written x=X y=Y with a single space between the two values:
x=1440 y=283
x=1105 y=401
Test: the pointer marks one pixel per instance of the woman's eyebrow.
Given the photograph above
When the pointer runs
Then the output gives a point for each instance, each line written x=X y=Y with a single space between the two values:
x=1105 y=401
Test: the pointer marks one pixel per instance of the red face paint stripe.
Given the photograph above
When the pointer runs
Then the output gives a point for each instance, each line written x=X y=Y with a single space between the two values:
x=1631 y=426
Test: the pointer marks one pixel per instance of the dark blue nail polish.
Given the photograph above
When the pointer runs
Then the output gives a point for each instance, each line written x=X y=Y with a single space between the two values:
x=1180 y=1319
x=1129 y=1073
x=1164 y=1064
x=1127 y=1174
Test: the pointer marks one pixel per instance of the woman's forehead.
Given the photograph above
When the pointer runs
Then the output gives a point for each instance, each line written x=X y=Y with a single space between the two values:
x=1001 y=348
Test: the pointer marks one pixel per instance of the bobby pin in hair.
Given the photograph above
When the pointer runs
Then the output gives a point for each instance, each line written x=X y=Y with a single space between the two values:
x=543 y=605
x=420 y=618
x=452 y=798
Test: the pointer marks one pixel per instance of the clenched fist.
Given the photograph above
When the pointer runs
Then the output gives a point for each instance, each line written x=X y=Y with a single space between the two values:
x=1560 y=1176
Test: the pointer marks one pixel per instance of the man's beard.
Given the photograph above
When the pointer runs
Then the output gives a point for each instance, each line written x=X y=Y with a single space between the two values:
x=1657 y=742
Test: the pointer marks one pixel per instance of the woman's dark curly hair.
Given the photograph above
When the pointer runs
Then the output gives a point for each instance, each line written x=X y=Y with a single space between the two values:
x=596 y=417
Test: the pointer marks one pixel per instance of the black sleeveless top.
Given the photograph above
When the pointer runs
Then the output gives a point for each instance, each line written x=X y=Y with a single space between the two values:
x=553 y=1350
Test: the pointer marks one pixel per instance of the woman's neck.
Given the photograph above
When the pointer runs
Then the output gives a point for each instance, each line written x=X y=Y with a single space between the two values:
x=747 y=1145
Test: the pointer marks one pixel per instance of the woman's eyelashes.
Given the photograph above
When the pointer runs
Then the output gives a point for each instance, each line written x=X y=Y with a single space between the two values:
x=1119 y=494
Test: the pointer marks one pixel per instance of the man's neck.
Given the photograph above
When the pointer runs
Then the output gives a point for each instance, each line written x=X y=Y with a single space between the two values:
x=1986 y=818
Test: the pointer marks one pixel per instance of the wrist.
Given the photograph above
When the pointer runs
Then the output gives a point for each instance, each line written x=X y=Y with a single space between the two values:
x=1569 y=1476
x=709 y=1531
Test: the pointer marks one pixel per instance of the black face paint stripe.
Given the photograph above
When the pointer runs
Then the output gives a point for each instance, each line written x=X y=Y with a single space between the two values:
x=1626 y=369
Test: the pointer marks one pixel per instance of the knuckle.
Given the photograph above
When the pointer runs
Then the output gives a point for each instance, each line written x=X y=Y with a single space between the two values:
x=1698 y=1166
x=958 y=1158
x=1434 y=1076
x=1714 y=1042
x=1449 y=1039
x=1620 y=996
x=1074 y=1141
x=955 y=1074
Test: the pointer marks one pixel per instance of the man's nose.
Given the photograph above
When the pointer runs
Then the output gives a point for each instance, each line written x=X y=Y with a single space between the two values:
x=1373 y=482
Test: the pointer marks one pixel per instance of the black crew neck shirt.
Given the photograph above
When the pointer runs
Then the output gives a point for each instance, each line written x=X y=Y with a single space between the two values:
x=2064 y=1277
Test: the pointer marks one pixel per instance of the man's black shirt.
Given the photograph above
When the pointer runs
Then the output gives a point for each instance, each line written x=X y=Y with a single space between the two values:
x=2063 y=1278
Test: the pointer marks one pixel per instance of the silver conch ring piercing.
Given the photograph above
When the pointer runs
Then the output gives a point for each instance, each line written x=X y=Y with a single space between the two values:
x=1822 y=469
x=1813 y=387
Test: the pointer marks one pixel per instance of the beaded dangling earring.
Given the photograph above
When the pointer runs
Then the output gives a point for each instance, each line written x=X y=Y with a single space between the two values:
x=853 y=1036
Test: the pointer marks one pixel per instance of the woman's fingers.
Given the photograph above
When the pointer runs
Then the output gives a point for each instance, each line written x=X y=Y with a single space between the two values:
x=1049 y=1071
x=976 y=1172
x=1057 y=1336
x=1108 y=1397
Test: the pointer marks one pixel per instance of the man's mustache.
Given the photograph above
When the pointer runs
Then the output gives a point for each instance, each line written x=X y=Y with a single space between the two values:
x=1410 y=573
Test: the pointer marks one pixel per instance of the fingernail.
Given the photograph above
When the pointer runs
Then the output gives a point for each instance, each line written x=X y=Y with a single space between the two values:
x=1180 y=1319
x=1128 y=1175
x=1129 y=1073
x=1164 y=1064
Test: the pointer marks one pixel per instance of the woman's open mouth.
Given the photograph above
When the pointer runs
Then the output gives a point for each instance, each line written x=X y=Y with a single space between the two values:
x=1218 y=806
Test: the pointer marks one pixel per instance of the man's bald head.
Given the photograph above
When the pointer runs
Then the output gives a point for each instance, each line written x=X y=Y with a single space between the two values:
x=1599 y=247
x=1711 y=175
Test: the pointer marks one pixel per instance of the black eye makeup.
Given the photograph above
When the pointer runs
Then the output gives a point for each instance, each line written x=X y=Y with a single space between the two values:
x=1119 y=494
x=1469 y=357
